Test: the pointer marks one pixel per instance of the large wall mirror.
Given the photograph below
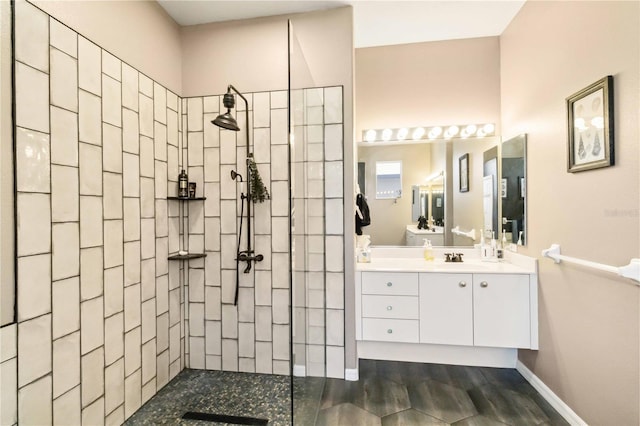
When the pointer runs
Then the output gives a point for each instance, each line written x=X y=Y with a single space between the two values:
x=431 y=177
x=513 y=188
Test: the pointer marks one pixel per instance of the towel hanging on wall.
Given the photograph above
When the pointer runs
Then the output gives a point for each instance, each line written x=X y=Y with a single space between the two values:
x=362 y=219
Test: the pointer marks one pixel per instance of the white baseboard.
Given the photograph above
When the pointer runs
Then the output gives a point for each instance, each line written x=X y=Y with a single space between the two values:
x=351 y=374
x=299 y=371
x=554 y=400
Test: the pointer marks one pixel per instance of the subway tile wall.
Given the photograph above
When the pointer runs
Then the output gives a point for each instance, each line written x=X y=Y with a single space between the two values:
x=254 y=336
x=100 y=314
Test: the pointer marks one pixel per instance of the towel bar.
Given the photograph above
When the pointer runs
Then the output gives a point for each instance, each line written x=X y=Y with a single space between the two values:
x=632 y=270
x=470 y=234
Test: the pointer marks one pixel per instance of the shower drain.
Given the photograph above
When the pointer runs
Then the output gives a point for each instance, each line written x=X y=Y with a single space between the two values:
x=223 y=418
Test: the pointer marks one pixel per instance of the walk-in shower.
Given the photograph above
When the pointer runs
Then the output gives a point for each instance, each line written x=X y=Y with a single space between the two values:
x=226 y=121
x=145 y=305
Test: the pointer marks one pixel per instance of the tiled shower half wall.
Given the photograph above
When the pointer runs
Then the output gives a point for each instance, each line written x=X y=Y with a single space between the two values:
x=255 y=335
x=104 y=319
x=318 y=266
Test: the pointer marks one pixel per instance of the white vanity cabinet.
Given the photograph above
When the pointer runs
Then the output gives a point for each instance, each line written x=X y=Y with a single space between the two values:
x=446 y=317
x=446 y=308
x=501 y=310
x=416 y=237
x=491 y=310
x=389 y=307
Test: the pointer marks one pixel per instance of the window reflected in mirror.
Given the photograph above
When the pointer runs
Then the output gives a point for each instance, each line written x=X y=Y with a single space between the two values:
x=388 y=179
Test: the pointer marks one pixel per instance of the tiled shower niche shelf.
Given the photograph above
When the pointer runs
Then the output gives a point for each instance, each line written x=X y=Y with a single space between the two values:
x=187 y=256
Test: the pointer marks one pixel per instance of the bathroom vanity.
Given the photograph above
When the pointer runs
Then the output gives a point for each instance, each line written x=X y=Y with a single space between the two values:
x=416 y=237
x=469 y=313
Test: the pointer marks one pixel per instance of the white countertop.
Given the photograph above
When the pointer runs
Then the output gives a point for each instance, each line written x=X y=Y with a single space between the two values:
x=394 y=260
x=435 y=230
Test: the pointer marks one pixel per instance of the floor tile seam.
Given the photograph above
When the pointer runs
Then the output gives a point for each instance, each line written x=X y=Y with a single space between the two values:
x=421 y=412
x=452 y=384
x=490 y=418
x=355 y=405
x=501 y=388
x=494 y=408
x=438 y=418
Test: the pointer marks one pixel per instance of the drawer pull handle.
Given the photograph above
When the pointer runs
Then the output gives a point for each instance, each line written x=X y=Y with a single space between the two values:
x=484 y=284
x=389 y=308
x=389 y=284
x=462 y=284
x=389 y=331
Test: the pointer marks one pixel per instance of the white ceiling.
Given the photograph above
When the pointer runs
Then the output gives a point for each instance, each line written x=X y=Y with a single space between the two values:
x=376 y=23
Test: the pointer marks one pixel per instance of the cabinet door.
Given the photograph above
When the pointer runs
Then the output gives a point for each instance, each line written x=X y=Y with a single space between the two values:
x=446 y=315
x=501 y=316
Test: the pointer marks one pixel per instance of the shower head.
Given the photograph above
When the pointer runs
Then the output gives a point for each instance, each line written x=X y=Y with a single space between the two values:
x=226 y=120
x=235 y=175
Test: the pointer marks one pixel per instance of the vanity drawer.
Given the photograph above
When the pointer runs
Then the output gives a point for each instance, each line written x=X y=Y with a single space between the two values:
x=393 y=283
x=390 y=330
x=401 y=307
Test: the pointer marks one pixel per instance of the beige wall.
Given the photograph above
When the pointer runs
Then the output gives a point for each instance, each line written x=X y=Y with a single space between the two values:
x=589 y=321
x=250 y=54
x=389 y=218
x=139 y=32
x=435 y=83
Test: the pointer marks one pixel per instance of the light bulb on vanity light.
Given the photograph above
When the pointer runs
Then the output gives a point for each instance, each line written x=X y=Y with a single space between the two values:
x=386 y=134
x=488 y=128
x=370 y=135
x=418 y=133
x=451 y=131
x=435 y=132
x=402 y=133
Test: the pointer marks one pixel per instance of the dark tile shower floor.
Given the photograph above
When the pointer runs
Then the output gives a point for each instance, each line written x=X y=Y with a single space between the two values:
x=387 y=394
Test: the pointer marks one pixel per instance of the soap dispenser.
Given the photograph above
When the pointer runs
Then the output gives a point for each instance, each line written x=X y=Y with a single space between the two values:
x=428 y=250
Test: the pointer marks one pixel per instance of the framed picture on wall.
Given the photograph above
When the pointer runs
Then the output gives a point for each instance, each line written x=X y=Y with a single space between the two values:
x=523 y=188
x=464 y=172
x=590 y=124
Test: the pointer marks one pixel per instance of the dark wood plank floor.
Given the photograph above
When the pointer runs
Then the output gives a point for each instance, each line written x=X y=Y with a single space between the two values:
x=396 y=393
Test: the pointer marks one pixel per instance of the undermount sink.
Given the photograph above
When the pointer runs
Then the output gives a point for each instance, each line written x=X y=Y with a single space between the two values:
x=458 y=266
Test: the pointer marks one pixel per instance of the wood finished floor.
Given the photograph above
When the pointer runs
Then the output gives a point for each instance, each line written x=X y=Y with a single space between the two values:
x=397 y=393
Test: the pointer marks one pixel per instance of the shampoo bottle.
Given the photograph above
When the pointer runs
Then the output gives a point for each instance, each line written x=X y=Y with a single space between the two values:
x=183 y=185
x=428 y=250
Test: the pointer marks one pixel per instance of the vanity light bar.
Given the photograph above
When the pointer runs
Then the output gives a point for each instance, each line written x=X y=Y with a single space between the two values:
x=429 y=132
